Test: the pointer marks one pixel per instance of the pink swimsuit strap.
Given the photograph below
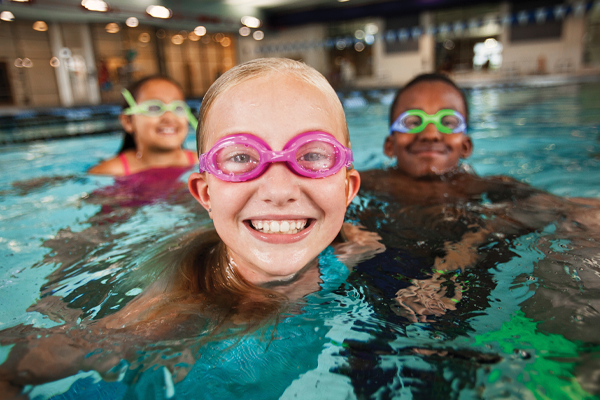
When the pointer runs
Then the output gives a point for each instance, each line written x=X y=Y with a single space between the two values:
x=126 y=171
x=125 y=164
x=190 y=157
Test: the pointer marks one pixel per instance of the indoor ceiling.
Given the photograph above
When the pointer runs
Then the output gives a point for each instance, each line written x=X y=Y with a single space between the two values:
x=224 y=15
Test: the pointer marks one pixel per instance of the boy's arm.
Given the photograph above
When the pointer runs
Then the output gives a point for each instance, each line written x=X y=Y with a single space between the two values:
x=359 y=245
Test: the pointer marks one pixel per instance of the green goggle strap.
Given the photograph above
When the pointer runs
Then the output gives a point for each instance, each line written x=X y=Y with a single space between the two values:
x=134 y=107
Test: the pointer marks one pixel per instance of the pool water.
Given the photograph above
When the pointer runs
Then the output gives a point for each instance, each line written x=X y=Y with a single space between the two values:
x=523 y=324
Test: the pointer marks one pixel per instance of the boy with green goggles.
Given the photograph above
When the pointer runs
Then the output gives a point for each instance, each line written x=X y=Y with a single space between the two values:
x=414 y=121
x=156 y=108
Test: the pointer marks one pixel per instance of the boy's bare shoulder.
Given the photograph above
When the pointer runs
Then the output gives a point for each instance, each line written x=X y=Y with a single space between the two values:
x=375 y=179
x=113 y=166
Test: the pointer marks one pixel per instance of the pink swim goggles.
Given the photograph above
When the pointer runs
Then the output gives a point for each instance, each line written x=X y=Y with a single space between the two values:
x=242 y=157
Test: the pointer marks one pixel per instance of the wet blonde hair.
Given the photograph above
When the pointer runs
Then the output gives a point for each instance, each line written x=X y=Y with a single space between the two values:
x=260 y=68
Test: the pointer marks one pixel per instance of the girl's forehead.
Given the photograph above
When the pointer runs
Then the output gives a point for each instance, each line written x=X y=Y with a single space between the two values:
x=275 y=108
x=159 y=89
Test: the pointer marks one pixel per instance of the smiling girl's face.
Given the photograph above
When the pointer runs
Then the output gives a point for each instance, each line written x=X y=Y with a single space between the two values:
x=275 y=108
x=164 y=133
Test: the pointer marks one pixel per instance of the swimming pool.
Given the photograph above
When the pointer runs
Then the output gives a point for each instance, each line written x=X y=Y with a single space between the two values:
x=66 y=235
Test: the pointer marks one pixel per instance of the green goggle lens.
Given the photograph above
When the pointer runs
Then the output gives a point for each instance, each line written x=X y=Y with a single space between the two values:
x=414 y=121
x=156 y=108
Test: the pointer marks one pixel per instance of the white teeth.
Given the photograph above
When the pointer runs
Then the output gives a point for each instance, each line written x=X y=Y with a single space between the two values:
x=283 y=227
x=274 y=227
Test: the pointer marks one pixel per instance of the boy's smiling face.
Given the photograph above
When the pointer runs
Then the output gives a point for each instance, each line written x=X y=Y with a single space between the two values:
x=429 y=152
x=275 y=108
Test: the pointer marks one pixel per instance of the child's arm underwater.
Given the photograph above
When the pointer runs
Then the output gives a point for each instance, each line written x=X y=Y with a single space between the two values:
x=356 y=244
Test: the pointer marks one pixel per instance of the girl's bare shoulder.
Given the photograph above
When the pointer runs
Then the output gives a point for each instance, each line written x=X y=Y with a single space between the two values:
x=113 y=166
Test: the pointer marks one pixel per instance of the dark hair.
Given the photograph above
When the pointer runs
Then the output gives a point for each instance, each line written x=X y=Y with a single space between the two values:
x=433 y=77
x=134 y=89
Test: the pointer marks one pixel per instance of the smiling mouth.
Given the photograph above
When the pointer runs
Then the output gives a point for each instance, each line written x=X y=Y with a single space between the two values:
x=428 y=149
x=169 y=130
x=282 y=227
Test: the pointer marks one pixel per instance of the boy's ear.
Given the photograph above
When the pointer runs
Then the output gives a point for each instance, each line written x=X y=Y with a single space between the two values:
x=126 y=123
x=467 y=147
x=199 y=189
x=352 y=185
x=388 y=146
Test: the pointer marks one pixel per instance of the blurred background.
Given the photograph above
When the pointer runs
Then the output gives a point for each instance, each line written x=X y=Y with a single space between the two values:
x=70 y=53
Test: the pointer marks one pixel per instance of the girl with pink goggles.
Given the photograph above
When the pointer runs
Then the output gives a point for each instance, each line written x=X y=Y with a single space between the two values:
x=242 y=157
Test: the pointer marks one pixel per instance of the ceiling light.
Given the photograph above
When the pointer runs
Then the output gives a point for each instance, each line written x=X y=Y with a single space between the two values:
x=371 y=29
x=193 y=37
x=225 y=42
x=177 y=39
x=342 y=1
x=144 y=37
x=112 y=27
x=251 y=22
x=200 y=30
x=95 y=5
x=132 y=22
x=20 y=1
x=40 y=26
x=258 y=35
x=7 y=16
x=159 y=12
x=245 y=31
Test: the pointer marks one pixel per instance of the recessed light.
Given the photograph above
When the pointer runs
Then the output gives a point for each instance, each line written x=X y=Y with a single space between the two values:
x=159 y=12
x=95 y=5
x=7 y=16
x=132 y=22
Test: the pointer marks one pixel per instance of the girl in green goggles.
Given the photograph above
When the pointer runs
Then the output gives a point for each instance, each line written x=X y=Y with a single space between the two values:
x=156 y=122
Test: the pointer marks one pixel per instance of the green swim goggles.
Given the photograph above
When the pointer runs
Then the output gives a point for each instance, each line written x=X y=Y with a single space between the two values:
x=156 y=108
x=414 y=121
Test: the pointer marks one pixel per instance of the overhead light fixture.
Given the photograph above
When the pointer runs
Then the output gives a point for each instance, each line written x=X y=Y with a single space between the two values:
x=20 y=1
x=225 y=42
x=177 y=39
x=159 y=12
x=245 y=31
x=200 y=30
x=144 y=37
x=193 y=37
x=112 y=27
x=132 y=22
x=258 y=35
x=40 y=26
x=95 y=5
x=251 y=22
x=7 y=16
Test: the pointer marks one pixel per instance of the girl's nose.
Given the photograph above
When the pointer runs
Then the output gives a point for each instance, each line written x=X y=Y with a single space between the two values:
x=278 y=185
